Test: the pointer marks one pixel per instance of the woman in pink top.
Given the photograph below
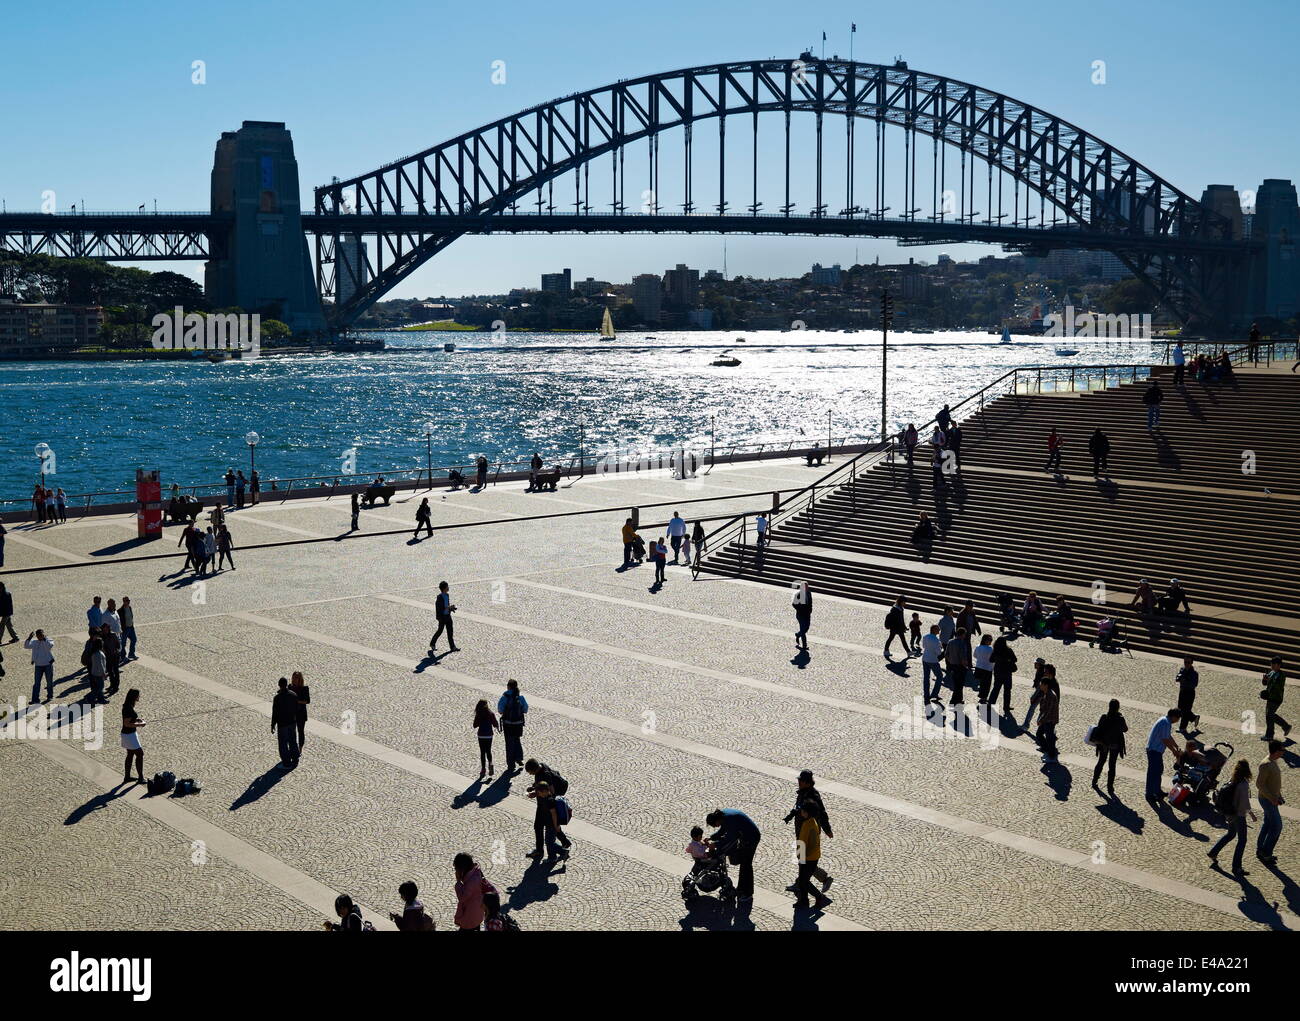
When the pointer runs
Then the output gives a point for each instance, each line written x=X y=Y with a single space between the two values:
x=470 y=887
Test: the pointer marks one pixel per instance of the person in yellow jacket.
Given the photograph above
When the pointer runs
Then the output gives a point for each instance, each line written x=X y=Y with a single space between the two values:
x=810 y=853
x=629 y=542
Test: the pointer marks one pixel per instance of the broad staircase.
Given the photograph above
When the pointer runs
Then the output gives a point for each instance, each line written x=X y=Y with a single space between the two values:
x=1176 y=503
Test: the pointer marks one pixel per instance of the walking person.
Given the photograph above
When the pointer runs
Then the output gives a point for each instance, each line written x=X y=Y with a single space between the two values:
x=1273 y=693
x=512 y=707
x=131 y=723
x=127 y=615
x=3 y=532
x=760 y=528
x=1160 y=738
x=1099 y=448
x=697 y=540
x=422 y=515
x=910 y=440
x=810 y=852
x=802 y=602
x=302 y=698
x=1003 y=658
x=1054 y=444
x=414 y=918
x=443 y=609
x=954 y=438
x=6 y=613
x=1235 y=804
x=42 y=650
x=356 y=512
x=1108 y=736
x=1268 y=782
x=1187 y=680
x=225 y=548
x=737 y=838
x=1153 y=398
x=470 y=887
x=896 y=625
x=485 y=726
x=807 y=795
x=676 y=535
x=1049 y=715
x=284 y=721
x=1180 y=363
x=967 y=619
x=209 y=549
x=931 y=663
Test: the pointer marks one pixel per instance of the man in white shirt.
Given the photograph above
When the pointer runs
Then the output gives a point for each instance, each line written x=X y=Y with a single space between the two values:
x=1161 y=737
x=42 y=650
x=676 y=533
x=112 y=619
x=931 y=663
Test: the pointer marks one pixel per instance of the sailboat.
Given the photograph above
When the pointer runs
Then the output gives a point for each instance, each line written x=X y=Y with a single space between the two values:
x=1006 y=335
x=607 y=327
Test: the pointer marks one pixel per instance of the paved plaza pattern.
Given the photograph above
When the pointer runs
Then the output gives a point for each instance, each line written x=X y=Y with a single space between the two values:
x=657 y=706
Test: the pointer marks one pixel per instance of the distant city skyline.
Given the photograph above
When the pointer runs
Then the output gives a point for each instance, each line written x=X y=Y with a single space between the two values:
x=120 y=120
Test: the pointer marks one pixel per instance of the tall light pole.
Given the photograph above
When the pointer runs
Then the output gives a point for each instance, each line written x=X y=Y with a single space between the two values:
x=886 y=317
x=252 y=439
x=428 y=450
x=713 y=441
x=42 y=453
x=582 y=440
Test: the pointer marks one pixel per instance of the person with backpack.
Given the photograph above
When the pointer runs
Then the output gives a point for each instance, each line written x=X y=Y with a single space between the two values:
x=548 y=823
x=470 y=888
x=350 y=919
x=896 y=625
x=423 y=520
x=1233 y=801
x=737 y=837
x=512 y=707
x=1272 y=694
x=443 y=609
x=1108 y=736
x=1152 y=398
x=802 y=601
x=807 y=795
x=1099 y=448
x=413 y=917
x=485 y=725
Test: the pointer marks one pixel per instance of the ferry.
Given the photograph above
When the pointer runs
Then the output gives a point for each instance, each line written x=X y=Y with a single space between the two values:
x=728 y=362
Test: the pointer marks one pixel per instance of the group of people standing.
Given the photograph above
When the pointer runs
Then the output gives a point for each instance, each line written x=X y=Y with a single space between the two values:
x=237 y=485
x=204 y=546
x=49 y=506
x=685 y=543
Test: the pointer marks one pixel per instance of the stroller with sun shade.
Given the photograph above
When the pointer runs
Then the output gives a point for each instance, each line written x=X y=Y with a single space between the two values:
x=1110 y=636
x=1196 y=775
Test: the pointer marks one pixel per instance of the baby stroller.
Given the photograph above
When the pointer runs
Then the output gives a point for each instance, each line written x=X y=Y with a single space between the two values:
x=1010 y=615
x=638 y=549
x=709 y=876
x=1195 y=779
x=1110 y=636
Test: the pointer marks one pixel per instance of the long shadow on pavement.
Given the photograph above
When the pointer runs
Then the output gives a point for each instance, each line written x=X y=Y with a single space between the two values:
x=260 y=786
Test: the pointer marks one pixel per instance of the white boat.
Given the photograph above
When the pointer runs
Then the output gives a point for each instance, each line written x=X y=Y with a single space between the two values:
x=1066 y=352
x=607 y=326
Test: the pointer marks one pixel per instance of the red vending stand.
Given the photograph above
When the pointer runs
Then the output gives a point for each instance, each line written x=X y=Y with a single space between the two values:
x=148 y=500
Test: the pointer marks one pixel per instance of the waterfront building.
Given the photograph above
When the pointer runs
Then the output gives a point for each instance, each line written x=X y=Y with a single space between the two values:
x=647 y=297
x=558 y=283
x=681 y=287
x=38 y=329
x=825 y=276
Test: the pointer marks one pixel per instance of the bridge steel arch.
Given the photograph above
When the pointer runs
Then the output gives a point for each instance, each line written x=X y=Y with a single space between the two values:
x=1182 y=250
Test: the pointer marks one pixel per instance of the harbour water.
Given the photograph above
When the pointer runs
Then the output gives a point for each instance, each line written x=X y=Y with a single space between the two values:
x=502 y=395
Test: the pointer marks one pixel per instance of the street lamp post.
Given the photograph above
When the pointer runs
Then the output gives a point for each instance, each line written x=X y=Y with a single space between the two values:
x=428 y=450
x=713 y=440
x=886 y=317
x=42 y=452
x=252 y=439
x=582 y=441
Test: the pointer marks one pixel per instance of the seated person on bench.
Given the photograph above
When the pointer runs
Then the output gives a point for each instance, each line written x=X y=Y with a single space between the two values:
x=817 y=453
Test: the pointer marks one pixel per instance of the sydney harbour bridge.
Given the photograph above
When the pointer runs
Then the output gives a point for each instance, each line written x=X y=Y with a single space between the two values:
x=785 y=147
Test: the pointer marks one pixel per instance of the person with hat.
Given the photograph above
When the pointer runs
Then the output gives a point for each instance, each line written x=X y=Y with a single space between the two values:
x=1174 y=598
x=807 y=794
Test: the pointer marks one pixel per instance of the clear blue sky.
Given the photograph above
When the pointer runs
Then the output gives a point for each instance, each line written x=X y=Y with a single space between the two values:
x=100 y=107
